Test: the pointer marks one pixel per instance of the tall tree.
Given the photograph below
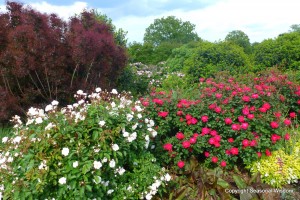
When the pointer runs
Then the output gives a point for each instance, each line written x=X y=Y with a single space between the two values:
x=44 y=58
x=170 y=29
x=239 y=38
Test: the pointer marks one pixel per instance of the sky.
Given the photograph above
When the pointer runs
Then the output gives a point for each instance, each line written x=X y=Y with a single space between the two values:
x=214 y=19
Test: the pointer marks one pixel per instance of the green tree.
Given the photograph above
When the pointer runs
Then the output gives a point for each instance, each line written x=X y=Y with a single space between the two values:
x=295 y=28
x=239 y=38
x=170 y=29
x=119 y=34
x=282 y=51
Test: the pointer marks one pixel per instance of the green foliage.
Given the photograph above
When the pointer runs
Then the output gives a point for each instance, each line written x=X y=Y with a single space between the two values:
x=282 y=51
x=204 y=59
x=129 y=80
x=170 y=29
x=239 y=38
x=139 y=52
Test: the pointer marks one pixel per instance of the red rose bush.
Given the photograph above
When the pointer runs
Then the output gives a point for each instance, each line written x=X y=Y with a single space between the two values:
x=229 y=123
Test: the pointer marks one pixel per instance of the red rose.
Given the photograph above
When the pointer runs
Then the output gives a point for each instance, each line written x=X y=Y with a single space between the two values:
x=287 y=136
x=214 y=159
x=180 y=136
x=235 y=127
x=266 y=106
x=205 y=130
x=213 y=132
x=268 y=152
x=158 y=101
x=180 y=164
x=250 y=116
x=277 y=114
x=234 y=151
x=193 y=140
x=262 y=109
x=287 y=122
x=204 y=118
x=241 y=119
x=218 y=95
x=218 y=109
x=228 y=121
x=211 y=141
x=206 y=154
x=145 y=103
x=179 y=113
x=186 y=144
x=163 y=114
x=245 y=126
x=245 y=142
x=254 y=96
x=194 y=121
x=168 y=146
x=230 y=140
x=274 y=125
x=246 y=98
x=258 y=154
x=253 y=143
x=292 y=114
x=188 y=117
x=223 y=163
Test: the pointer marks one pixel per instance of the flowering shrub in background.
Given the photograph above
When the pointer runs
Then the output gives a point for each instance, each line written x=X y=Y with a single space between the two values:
x=229 y=123
x=96 y=148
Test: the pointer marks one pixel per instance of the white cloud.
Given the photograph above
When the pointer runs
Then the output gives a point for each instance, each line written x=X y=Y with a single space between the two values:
x=258 y=19
x=64 y=12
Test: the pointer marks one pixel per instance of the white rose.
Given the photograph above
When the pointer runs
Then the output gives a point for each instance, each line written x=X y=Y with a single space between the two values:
x=115 y=147
x=62 y=180
x=112 y=163
x=75 y=164
x=65 y=151
x=97 y=164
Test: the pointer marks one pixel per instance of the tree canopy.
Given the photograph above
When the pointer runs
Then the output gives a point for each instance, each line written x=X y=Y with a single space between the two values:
x=170 y=29
x=239 y=38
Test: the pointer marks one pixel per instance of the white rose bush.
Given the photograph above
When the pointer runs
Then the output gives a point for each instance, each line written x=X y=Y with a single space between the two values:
x=97 y=148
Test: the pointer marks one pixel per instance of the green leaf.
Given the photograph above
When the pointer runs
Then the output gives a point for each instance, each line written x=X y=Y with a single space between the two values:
x=239 y=182
x=222 y=183
x=89 y=188
x=95 y=135
x=86 y=168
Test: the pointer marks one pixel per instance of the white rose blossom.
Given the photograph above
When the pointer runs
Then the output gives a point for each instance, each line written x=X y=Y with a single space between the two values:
x=65 y=151
x=62 y=180
x=112 y=163
x=75 y=164
x=97 y=164
x=101 y=123
x=115 y=147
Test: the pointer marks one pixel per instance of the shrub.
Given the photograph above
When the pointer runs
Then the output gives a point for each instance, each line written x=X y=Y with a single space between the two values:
x=281 y=168
x=44 y=58
x=96 y=148
x=229 y=123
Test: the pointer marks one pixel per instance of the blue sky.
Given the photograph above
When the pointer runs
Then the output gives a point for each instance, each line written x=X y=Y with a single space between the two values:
x=214 y=19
